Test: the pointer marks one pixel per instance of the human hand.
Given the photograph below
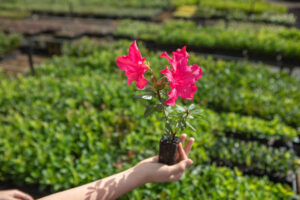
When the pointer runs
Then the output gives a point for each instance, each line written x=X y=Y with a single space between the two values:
x=158 y=172
x=14 y=195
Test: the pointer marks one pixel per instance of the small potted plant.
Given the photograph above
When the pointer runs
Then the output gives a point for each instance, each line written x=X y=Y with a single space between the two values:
x=161 y=93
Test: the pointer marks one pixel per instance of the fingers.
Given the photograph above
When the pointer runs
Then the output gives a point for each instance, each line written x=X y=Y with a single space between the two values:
x=188 y=146
x=182 y=155
x=182 y=138
x=178 y=169
x=22 y=195
x=8 y=198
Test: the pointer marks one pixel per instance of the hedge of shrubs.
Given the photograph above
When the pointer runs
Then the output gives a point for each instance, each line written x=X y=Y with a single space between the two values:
x=76 y=121
x=9 y=42
x=264 y=41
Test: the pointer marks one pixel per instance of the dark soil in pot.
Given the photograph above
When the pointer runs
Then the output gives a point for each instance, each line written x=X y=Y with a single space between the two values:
x=168 y=149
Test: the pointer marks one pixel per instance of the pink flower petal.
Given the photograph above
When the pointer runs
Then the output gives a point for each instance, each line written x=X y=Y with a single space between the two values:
x=172 y=97
x=168 y=74
x=182 y=77
x=141 y=82
x=186 y=92
x=134 y=66
x=165 y=55
x=135 y=54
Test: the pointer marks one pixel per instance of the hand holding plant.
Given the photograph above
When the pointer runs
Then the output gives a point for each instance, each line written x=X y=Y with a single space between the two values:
x=157 y=172
x=160 y=97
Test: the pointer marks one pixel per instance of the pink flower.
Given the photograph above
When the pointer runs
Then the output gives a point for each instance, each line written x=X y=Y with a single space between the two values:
x=182 y=77
x=134 y=66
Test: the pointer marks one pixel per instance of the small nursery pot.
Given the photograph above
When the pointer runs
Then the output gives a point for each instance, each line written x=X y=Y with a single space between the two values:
x=168 y=149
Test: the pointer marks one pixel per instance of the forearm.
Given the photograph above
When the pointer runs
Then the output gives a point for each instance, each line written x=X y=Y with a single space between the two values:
x=111 y=187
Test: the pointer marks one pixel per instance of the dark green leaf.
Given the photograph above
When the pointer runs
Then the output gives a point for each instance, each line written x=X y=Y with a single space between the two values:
x=159 y=107
x=168 y=127
x=149 y=110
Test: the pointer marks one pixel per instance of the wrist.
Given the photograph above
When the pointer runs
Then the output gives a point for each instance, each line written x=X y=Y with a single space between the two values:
x=141 y=174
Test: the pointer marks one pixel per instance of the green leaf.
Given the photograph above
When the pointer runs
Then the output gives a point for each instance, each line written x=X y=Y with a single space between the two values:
x=149 y=89
x=181 y=124
x=180 y=108
x=192 y=107
x=159 y=107
x=189 y=125
x=168 y=127
x=147 y=96
x=149 y=110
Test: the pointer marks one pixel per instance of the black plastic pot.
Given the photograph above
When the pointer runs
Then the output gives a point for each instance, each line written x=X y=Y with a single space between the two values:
x=168 y=149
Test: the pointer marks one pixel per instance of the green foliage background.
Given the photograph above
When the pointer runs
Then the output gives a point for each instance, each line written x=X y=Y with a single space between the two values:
x=77 y=121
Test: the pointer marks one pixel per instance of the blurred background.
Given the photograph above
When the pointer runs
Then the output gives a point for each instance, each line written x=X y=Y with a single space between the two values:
x=67 y=116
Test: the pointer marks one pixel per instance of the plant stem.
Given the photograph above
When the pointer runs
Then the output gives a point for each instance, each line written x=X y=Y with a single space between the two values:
x=159 y=97
x=167 y=119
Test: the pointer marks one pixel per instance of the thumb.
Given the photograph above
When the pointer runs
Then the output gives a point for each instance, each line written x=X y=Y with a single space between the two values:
x=188 y=162
x=180 y=167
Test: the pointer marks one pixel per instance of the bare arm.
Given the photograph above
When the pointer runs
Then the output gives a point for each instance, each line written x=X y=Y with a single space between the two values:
x=14 y=195
x=114 y=186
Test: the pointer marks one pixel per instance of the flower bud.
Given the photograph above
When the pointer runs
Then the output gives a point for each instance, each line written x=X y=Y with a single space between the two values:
x=161 y=83
x=154 y=81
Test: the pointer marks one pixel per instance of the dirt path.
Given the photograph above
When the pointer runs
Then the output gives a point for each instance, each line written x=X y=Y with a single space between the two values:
x=20 y=63
x=59 y=27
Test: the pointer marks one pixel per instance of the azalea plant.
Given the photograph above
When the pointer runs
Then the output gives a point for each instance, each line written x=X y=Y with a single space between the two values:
x=161 y=92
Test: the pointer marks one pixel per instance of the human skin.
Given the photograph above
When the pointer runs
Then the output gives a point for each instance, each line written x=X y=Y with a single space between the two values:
x=14 y=195
x=146 y=171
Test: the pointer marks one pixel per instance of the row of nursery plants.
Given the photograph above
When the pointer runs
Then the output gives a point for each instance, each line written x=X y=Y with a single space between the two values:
x=126 y=12
x=66 y=8
x=72 y=106
x=14 y=14
x=254 y=157
x=9 y=43
x=237 y=10
x=256 y=6
x=26 y=4
x=253 y=6
x=203 y=12
x=257 y=129
x=227 y=86
x=267 y=42
x=258 y=11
